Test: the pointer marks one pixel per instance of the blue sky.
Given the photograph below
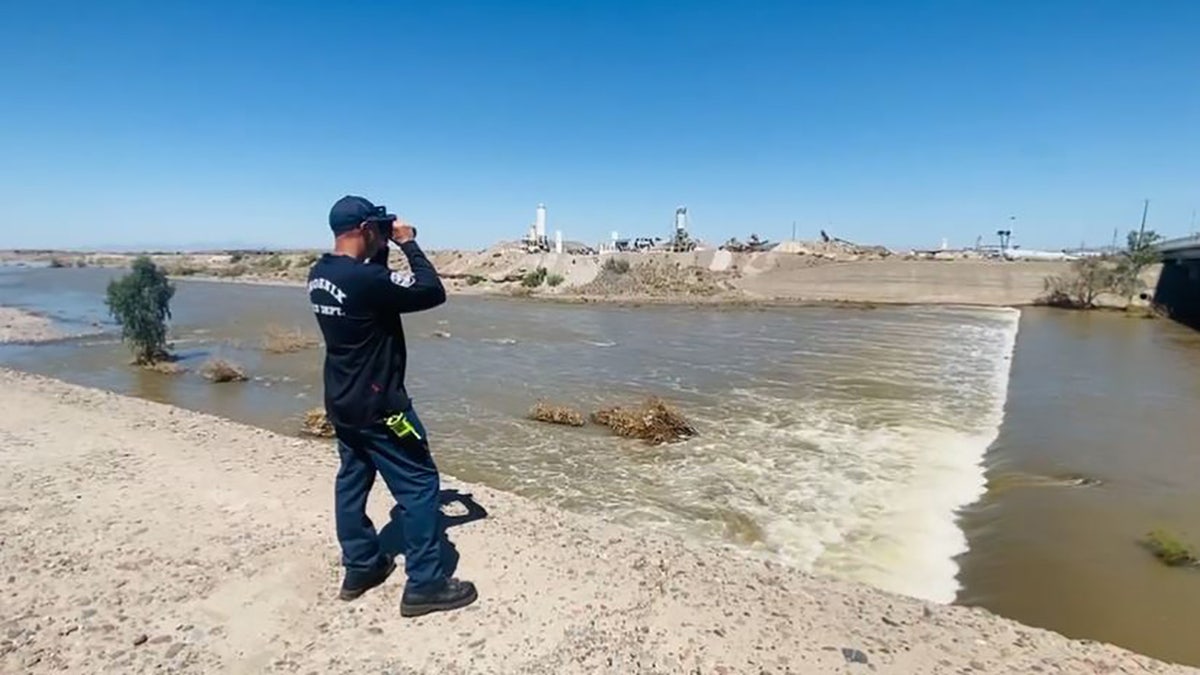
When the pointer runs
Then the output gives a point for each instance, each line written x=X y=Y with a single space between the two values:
x=156 y=123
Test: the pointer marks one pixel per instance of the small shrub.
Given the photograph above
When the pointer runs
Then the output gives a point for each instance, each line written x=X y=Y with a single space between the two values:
x=288 y=340
x=1170 y=550
x=220 y=370
x=274 y=262
x=317 y=424
x=1090 y=277
x=654 y=421
x=183 y=270
x=141 y=303
x=81 y=263
x=232 y=271
x=474 y=280
x=556 y=414
x=309 y=259
x=57 y=263
x=616 y=266
x=237 y=257
x=535 y=278
x=553 y=280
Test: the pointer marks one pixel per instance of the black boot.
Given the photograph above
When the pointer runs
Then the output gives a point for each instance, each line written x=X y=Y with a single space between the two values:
x=452 y=595
x=352 y=589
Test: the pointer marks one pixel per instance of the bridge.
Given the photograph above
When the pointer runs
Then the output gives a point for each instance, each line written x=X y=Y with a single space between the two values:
x=1178 y=288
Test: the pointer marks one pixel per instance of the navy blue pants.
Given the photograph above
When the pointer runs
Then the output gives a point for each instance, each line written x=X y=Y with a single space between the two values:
x=410 y=474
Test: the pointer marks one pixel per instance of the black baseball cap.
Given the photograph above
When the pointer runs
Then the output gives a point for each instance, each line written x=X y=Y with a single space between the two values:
x=350 y=211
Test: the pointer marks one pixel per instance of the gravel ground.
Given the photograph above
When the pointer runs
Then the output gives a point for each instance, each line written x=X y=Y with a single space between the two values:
x=138 y=537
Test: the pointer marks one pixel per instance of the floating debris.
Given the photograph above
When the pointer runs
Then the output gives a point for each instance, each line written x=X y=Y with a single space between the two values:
x=166 y=367
x=1171 y=550
x=221 y=370
x=556 y=414
x=654 y=421
x=317 y=424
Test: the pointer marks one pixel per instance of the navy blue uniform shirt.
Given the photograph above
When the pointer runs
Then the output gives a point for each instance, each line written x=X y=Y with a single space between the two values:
x=358 y=306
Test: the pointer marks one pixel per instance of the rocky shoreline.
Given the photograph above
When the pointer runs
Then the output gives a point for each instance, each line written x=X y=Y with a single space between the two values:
x=139 y=537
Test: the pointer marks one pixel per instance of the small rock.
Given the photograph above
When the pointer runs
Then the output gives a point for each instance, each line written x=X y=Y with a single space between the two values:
x=173 y=650
x=441 y=334
x=854 y=655
x=89 y=613
x=161 y=639
x=140 y=640
x=890 y=621
x=928 y=613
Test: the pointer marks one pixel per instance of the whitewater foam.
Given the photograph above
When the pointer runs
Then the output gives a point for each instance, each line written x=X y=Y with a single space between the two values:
x=864 y=478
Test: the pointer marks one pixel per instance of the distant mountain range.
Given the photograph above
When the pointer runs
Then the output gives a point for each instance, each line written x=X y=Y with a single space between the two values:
x=195 y=246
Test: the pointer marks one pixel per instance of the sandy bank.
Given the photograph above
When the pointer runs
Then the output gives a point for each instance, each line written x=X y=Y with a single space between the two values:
x=17 y=325
x=137 y=537
x=698 y=277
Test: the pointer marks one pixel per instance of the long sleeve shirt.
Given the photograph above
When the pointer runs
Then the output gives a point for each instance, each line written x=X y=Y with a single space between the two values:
x=358 y=307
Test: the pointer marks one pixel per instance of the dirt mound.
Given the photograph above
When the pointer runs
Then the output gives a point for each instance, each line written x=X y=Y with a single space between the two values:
x=836 y=250
x=654 y=277
x=556 y=414
x=654 y=421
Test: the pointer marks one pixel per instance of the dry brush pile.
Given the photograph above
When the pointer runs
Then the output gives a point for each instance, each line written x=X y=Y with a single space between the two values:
x=221 y=370
x=317 y=424
x=279 y=340
x=556 y=414
x=653 y=421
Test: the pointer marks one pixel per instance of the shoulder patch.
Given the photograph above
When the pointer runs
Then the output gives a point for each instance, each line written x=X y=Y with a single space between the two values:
x=403 y=279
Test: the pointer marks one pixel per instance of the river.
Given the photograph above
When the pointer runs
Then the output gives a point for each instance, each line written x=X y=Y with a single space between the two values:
x=924 y=450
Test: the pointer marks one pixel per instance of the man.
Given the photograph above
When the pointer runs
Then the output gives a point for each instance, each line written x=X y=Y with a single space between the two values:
x=358 y=302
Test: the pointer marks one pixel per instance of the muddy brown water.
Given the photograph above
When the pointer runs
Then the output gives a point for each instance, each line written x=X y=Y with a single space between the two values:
x=936 y=452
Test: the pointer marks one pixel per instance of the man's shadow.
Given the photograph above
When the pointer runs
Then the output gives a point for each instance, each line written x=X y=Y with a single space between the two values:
x=392 y=540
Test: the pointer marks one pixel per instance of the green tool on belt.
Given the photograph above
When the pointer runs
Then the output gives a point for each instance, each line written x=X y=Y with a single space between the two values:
x=400 y=426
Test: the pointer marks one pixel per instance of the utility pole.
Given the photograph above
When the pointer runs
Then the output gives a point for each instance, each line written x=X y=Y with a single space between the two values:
x=1192 y=226
x=1142 y=229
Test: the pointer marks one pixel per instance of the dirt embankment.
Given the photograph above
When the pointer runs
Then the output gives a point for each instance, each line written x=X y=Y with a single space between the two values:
x=136 y=537
x=794 y=272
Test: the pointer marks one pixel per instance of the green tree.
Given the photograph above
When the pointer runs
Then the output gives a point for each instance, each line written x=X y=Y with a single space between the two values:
x=1141 y=248
x=1089 y=278
x=1140 y=252
x=141 y=303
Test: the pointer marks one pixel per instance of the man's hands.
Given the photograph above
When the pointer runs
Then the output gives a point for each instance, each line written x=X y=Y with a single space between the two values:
x=402 y=232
